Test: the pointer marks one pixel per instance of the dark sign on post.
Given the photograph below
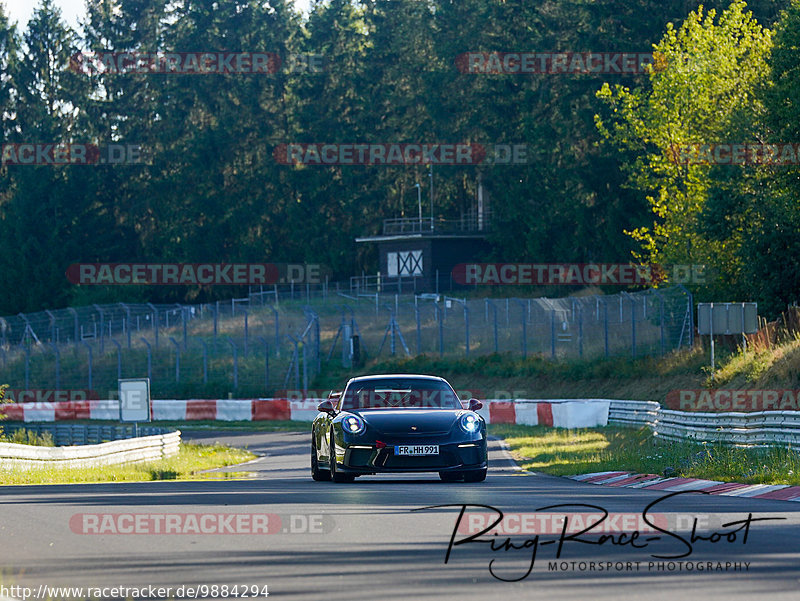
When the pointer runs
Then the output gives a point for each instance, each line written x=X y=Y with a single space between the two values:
x=727 y=318
x=714 y=319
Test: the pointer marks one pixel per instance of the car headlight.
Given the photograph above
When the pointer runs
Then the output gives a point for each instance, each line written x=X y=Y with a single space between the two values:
x=353 y=424
x=470 y=422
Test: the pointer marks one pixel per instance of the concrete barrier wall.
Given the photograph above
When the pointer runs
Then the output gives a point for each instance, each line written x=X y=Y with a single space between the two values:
x=564 y=413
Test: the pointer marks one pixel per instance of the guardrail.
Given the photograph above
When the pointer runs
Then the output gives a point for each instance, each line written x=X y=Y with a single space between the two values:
x=132 y=450
x=762 y=428
x=80 y=434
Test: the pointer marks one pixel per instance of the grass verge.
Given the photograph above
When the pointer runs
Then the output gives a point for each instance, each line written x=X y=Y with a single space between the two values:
x=189 y=464
x=568 y=452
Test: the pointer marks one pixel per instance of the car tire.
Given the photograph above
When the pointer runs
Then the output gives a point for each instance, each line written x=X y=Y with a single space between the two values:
x=334 y=474
x=451 y=476
x=475 y=475
x=316 y=473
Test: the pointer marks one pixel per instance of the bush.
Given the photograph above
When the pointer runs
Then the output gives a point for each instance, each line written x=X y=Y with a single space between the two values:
x=23 y=436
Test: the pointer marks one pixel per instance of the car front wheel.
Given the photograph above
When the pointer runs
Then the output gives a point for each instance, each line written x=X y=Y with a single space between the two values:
x=316 y=473
x=336 y=475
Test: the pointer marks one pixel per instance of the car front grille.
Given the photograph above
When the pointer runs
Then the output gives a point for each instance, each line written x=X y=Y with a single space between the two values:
x=389 y=460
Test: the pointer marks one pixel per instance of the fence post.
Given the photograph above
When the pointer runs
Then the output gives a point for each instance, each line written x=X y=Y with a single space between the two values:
x=553 y=333
x=266 y=362
x=75 y=318
x=149 y=359
x=295 y=363
x=128 y=324
x=102 y=326
x=661 y=319
x=466 y=329
x=235 y=364
x=605 y=325
x=392 y=340
x=317 y=343
x=177 y=359
x=205 y=361
x=52 y=326
x=494 y=310
x=155 y=322
x=246 y=315
x=690 y=310
x=419 y=330
x=524 y=329
x=441 y=329
x=216 y=321
x=633 y=327
x=183 y=324
x=277 y=331
x=580 y=331
x=305 y=372
x=58 y=366
x=119 y=357
x=88 y=347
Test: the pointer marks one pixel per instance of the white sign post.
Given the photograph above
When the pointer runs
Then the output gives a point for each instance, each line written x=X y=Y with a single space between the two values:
x=134 y=401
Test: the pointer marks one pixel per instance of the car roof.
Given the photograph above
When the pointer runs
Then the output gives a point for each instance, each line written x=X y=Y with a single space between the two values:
x=385 y=376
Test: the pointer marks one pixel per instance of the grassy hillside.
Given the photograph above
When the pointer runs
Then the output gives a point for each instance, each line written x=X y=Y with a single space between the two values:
x=643 y=379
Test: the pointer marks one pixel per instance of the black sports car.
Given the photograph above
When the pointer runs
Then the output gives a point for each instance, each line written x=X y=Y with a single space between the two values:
x=398 y=423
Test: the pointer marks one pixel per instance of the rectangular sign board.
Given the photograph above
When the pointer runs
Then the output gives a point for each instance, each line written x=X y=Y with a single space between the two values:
x=727 y=318
x=134 y=400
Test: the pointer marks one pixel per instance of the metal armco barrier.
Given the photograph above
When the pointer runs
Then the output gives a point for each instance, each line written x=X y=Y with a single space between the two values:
x=762 y=428
x=131 y=450
x=77 y=434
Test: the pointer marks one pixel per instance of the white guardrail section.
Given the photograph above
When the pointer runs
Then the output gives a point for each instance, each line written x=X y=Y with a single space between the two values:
x=129 y=450
x=762 y=428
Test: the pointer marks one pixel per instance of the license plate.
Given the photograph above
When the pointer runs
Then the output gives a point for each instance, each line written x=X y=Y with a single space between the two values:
x=416 y=449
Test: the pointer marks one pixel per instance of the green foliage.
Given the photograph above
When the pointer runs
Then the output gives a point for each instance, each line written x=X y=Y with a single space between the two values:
x=568 y=452
x=191 y=463
x=23 y=436
x=702 y=90
x=3 y=401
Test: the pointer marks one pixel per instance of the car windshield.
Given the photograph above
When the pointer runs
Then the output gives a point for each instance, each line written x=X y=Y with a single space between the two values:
x=400 y=393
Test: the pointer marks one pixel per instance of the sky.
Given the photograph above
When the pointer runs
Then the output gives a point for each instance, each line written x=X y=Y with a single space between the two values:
x=20 y=10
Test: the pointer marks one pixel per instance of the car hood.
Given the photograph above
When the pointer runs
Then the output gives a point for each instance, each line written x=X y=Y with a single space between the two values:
x=402 y=421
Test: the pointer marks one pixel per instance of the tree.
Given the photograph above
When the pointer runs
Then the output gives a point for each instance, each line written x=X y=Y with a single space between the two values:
x=701 y=91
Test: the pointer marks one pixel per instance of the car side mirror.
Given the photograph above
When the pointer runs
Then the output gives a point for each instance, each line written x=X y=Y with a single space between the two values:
x=326 y=407
x=475 y=404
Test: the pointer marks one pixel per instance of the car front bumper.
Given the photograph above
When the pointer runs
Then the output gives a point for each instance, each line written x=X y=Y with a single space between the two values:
x=455 y=456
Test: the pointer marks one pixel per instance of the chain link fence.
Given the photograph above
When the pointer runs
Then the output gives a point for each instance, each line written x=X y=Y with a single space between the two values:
x=279 y=340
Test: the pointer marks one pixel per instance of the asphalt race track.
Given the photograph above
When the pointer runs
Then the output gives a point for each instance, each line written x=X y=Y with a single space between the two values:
x=365 y=542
